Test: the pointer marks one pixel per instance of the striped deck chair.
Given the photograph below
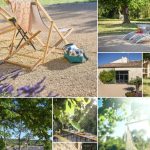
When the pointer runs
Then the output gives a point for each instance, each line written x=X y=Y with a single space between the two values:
x=37 y=26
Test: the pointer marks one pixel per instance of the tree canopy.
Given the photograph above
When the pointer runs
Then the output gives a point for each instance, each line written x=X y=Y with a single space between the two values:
x=129 y=113
x=30 y=116
x=76 y=113
x=128 y=8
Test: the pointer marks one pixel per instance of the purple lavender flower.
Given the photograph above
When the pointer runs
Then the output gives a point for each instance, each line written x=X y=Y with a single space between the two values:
x=25 y=91
x=15 y=74
x=31 y=91
x=6 y=89
x=9 y=89
x=40 y=89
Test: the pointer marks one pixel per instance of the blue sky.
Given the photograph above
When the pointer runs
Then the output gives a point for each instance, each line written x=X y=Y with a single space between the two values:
x=23 y=134
x=106 y=58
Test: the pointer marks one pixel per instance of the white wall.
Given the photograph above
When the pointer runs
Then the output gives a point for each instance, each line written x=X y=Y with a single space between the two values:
x=67 y=146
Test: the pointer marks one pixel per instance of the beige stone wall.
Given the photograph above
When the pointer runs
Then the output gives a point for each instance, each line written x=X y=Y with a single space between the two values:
x=146 y=69
x=67 y=146
x=133 y=72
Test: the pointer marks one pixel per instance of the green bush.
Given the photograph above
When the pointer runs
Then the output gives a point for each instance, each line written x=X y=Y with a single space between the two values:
x=137 y=82
x=112 y=144
x=108 y=76
x=2 y=145
x=47 y=145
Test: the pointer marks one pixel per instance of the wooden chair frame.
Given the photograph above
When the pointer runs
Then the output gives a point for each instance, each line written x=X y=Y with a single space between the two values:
x=8 y=28
x=47 y=48
x=16 y=28
x=62 y=36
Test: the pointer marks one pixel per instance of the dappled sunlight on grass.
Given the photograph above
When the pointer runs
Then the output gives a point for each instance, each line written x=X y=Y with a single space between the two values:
x=146 y=87
x=114 y=26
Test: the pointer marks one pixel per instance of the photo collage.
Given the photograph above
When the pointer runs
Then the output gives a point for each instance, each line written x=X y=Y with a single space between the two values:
x=74 y=75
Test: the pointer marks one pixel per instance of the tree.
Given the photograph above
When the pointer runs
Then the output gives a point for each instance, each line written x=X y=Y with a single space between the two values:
x=146 y=56
x=7 y=117
x=112 y=144
x=37 y=116
x=90 y=121
x=73 y=113
x=19 y=129
x=122 y=6
x=108 y=116
x=137 y=82
x=24 y=115
x=138 y=139
x=2 y=144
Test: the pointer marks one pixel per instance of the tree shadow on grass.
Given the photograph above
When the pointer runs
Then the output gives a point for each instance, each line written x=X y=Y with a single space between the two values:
x=116 y=28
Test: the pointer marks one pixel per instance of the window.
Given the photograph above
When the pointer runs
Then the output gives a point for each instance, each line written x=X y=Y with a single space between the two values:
x=122 y=76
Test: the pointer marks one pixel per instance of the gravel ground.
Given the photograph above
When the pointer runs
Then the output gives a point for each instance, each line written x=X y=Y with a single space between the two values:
x=68 y=80
x=115 y=43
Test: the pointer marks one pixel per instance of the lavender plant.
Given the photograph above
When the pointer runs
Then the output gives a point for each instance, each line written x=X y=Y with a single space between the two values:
x=7 y=90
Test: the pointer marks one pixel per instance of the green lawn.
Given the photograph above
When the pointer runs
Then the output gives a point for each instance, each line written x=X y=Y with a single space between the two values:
x=146 y=87
x=45 y=2
x=115 y=26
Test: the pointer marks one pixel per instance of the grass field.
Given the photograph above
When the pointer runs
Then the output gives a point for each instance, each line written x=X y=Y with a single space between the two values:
x=146 y=87
x=115 y=26
x=45 y=2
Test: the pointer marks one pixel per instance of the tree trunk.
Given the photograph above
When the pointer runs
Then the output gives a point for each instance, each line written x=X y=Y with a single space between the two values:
x=5 y=136
x=125 y=12
x=137 y=89
x=19 y=141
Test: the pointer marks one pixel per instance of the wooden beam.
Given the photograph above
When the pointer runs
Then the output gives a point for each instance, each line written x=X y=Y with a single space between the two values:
x=26 y=42
x=36 y=64
x=25 y=55
x=12 y=43
x=6 y=31
x=18 y=64
x=62 y=39
x=48 y=41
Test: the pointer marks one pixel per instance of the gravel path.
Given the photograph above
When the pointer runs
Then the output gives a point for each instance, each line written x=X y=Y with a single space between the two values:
x=115 y=43
x=68 y=80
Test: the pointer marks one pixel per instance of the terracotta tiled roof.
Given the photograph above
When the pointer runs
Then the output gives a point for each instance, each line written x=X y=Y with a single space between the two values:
x=131 y=64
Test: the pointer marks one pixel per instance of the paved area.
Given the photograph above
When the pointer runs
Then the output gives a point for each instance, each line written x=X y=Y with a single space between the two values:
x=115 y=43
x=113 y=90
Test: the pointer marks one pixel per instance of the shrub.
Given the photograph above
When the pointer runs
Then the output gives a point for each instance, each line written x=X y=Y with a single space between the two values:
x=137 y=82
x=47 y=145
x=2 y=145
x=133 y=94
x=107 y=76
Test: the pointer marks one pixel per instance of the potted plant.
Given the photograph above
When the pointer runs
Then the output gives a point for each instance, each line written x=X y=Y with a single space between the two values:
x=137 y=82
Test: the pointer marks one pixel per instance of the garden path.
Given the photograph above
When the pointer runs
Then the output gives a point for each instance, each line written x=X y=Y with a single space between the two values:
x=115 y=43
